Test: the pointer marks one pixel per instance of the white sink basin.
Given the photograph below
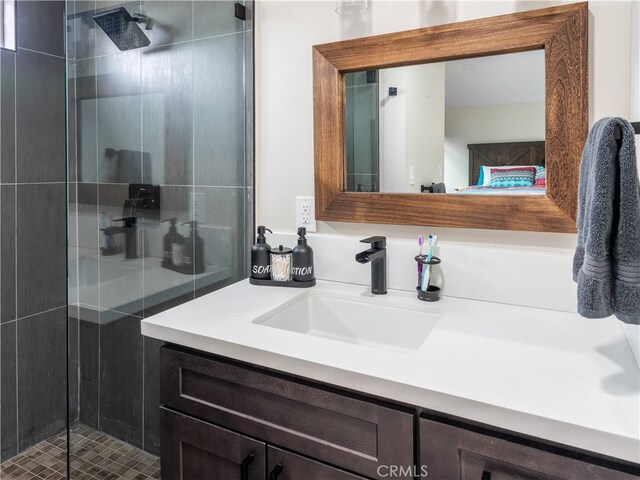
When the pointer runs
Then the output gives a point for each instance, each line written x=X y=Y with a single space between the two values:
x=355 y=319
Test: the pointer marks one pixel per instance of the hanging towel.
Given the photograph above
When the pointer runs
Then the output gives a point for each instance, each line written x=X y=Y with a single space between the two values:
x=439 y=188
x=606 y=264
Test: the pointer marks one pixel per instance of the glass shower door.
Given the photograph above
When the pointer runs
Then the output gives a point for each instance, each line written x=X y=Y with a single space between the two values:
x=160 y=205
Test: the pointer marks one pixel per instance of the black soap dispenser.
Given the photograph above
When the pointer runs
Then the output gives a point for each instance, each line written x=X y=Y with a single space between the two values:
x=193 y=250
x=260 y=256
x=302 y=259
x=170 y=240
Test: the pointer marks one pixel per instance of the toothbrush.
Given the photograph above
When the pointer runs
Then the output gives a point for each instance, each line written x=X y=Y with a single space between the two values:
x=433 y=240
x=424 y=280
x=426 y=274
x=420 y=243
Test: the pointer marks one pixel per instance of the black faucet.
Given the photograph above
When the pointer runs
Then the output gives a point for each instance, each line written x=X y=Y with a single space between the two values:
x=377 y=255
x=129 y=230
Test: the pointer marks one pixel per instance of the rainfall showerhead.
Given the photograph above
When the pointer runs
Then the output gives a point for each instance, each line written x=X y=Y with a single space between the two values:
x=123 y=29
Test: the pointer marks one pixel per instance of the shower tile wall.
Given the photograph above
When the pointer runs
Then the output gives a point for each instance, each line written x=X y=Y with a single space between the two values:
x=183 y=101
x=32 y=230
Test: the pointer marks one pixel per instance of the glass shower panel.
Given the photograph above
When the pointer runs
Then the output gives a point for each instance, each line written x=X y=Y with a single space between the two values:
x=161 y=205
x=362 y=97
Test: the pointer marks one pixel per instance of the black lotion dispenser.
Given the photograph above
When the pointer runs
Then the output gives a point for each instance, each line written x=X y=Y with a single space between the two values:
x=193 y=250
x=171 y=243
x=302 y=259
x=261 y=256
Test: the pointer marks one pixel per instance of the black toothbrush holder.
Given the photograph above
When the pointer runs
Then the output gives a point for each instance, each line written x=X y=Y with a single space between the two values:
x=432 y=293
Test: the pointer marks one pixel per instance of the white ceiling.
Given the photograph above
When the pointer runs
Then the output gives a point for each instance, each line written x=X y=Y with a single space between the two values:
x=497 y=80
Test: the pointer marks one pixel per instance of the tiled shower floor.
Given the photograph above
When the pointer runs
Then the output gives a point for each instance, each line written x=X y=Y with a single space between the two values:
x=94 y=456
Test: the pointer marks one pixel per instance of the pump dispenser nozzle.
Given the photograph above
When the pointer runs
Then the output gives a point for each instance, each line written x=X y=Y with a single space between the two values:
x=261 y=234
x=172 y=220
x=260 y=256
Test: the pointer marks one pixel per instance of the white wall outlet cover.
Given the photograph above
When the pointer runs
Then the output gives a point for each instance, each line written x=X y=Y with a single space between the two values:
x=306 y=213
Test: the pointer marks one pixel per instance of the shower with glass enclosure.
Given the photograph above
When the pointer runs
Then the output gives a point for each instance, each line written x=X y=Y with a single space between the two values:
x=156 y=176
x=161 y=130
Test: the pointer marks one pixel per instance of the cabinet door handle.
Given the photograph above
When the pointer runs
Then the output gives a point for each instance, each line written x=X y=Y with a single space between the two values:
x=244 y=467
x=275 y=473
x=485 y=475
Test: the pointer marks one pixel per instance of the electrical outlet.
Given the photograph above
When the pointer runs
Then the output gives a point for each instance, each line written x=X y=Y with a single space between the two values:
x=306 y=213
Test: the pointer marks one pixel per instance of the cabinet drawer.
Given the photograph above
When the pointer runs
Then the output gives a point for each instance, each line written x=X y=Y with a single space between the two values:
x=192 y=449
x=295 y=467
x=449 y=452
x=343 y=431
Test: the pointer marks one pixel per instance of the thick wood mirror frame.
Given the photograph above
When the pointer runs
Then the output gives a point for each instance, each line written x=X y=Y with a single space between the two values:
x=561 y=31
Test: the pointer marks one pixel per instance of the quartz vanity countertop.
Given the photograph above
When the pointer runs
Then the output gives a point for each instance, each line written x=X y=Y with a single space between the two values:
x=544 y=373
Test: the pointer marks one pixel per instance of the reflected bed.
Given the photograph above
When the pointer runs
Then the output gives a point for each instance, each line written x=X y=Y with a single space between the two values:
x=482 y=190
x=486 y=160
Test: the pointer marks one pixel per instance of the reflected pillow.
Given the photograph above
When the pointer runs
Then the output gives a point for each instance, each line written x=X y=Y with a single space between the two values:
x=481 y=176
x=541 y=177
x=484 y=178
x=512 y=177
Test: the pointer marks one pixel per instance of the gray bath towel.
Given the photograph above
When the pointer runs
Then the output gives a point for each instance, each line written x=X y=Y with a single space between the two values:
x=606 y=264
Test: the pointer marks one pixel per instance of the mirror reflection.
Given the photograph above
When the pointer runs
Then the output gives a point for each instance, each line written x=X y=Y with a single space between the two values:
x=470 y=126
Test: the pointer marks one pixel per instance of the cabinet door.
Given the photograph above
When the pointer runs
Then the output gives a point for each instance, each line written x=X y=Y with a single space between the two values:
x=448 y=452
x=196 y=450
x=283 y=465
x=351 y=433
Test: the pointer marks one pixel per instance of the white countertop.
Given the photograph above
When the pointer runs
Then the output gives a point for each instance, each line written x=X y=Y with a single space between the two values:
x=549 y=374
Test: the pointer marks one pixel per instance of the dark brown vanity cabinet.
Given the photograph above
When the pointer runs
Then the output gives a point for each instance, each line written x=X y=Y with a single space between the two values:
x=192 y=449
x=450 y=452
x=209 y=451
x=222 y=420
x=295 y=467
x=334 y=436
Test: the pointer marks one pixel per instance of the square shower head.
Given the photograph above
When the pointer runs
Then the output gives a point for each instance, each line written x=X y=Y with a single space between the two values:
x=122 y=29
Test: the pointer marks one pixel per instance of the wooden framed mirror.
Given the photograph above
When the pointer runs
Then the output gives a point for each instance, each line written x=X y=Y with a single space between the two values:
x=561 y=32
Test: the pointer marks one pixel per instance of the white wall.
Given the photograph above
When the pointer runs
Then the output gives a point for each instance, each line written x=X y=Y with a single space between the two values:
x=411 y=127
x=486 y=124
x=425 y=123
x=393 y=128
x=285 y=33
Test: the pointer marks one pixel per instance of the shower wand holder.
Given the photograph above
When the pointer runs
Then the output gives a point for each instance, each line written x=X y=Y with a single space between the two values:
x=275 y=283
